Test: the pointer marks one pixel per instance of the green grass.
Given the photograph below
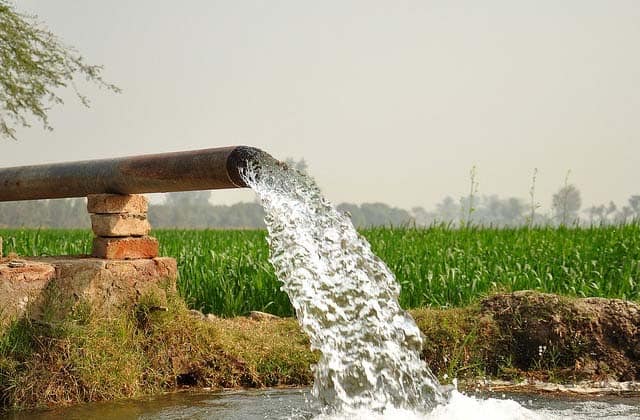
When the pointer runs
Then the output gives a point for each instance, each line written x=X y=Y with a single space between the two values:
x=444 y=267
x=225 y=272
x=228 y=273
x=86 y=356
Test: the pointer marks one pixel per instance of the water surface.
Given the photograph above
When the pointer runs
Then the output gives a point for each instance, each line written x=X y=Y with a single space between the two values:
x=296 y=404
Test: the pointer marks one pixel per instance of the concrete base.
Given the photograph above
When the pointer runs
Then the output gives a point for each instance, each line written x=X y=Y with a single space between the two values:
x=48 y=287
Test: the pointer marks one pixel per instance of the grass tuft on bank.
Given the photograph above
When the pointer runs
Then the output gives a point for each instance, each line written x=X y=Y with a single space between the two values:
x=146 y=350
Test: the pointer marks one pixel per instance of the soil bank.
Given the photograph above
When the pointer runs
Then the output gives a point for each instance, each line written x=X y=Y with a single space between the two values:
x=161 y=346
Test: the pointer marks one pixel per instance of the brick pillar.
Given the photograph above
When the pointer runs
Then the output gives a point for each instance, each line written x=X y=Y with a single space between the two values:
x=120 y=226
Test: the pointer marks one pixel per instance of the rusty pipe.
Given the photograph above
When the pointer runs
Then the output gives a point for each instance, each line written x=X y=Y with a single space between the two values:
x=165 y=172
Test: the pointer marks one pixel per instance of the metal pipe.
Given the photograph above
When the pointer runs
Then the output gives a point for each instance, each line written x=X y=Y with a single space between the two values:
x=166 y=172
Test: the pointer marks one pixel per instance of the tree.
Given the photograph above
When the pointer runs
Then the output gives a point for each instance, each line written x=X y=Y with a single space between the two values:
x=634 y=204
x=447 y=210
x=354 y=213
x=623 y=215
x=611 y=210
x=188 y=198
x=593 y=212
x=61 y=213
x=34 y=65
x=512 y=211
x=566 y=204
x=421 y=216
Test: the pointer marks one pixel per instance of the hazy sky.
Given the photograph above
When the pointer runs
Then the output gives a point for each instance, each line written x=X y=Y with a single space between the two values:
x=389 y=101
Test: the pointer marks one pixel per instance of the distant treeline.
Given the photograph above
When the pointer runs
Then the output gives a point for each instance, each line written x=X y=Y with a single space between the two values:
x=192 y=210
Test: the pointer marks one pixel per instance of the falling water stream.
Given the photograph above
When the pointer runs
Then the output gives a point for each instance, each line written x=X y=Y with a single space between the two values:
x=346 y=300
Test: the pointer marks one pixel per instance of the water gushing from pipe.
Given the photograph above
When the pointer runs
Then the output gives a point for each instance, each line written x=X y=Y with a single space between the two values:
x=345 y=298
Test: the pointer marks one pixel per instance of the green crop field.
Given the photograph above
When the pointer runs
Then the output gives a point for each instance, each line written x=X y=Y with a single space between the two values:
x=227 y=272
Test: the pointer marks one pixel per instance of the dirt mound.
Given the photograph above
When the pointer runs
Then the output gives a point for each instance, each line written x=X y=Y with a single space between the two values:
x=574 y=338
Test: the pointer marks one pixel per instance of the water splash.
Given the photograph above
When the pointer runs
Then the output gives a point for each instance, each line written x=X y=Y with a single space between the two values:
x=346 y=299
x=458 y=407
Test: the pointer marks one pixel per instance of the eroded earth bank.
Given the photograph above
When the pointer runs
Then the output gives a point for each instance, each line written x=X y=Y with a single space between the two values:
x=161 y=346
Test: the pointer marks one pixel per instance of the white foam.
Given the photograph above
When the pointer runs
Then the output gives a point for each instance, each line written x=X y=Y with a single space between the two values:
x=458 y=407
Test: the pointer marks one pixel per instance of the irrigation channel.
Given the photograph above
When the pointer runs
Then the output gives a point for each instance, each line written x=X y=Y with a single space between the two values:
x=346 y=300
x=297 y=404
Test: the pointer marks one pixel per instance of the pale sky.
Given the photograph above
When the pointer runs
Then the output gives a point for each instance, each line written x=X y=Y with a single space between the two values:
x=390 y=101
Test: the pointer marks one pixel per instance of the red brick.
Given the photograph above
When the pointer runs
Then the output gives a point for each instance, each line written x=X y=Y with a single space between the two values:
x=125 y=248
x=119 y=225
x=117 y=203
